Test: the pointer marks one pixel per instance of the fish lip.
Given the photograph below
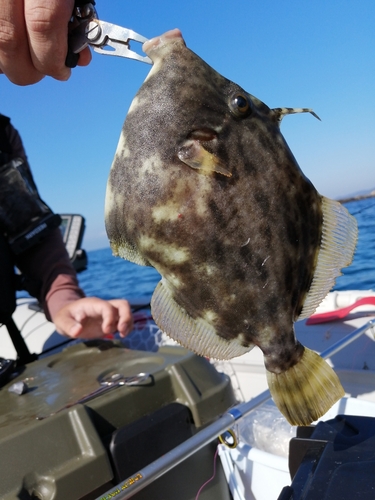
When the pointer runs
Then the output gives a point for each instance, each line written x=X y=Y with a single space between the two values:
x=162 y=40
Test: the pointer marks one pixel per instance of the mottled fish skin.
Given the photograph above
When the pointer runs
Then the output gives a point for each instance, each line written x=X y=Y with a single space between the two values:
x=204 y=188
x=236 y=248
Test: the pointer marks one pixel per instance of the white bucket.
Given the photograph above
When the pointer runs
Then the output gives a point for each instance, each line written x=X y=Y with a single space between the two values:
x=254 y=474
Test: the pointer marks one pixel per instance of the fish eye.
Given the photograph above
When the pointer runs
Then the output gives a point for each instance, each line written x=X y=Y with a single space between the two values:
x=240 y=105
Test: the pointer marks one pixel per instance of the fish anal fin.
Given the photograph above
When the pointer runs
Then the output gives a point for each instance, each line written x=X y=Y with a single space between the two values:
x=193 y=154
x=195 y=334
x=307 y=390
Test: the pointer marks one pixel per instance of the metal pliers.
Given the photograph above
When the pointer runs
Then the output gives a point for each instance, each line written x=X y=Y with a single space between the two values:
x=85 y=29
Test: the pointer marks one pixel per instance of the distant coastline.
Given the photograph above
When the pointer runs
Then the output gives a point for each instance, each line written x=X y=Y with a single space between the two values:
x=357 y=197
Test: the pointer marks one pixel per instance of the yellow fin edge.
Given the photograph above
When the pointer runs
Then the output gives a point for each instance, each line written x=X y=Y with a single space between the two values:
x=307 y=390
x=128 y=252
x=339 y=239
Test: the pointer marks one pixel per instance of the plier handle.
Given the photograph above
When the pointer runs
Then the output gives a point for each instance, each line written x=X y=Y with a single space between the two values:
x=85 y=29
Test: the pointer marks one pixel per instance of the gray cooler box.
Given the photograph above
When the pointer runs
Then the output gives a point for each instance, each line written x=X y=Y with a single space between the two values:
x=53 y=448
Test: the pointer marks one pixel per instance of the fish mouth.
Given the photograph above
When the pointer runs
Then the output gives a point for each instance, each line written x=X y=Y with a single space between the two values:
x=160 y=42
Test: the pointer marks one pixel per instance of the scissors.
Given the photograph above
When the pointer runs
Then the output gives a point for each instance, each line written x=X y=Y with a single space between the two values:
x=85 y=29
x=107 y=383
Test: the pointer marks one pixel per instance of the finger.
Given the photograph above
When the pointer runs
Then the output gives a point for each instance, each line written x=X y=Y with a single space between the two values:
x=15 y=58
x=75 y=330
x=47 y=29
x=125 y=325
x=125 y=321
x=110 y=318
x=67 y=325
x=85 y=57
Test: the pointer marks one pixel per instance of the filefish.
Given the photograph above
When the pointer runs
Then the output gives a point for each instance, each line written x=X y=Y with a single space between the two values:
x=204 y=188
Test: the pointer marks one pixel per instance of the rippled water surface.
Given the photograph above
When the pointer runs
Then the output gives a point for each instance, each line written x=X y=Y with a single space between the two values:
x=112 y=277
x=360 y=275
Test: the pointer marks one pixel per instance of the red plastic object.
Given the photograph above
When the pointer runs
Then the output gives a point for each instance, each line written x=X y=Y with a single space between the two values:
x=339 y=313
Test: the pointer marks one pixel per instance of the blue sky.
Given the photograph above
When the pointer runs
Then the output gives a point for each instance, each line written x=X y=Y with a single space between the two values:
x=318 y=54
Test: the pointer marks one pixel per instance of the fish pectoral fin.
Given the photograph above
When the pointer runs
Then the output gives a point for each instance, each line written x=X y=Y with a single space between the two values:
x=195 y=334
x=307 y=390
x=193 y=154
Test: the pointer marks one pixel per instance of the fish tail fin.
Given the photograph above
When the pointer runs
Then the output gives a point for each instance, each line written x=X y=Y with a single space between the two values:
x=307 y=390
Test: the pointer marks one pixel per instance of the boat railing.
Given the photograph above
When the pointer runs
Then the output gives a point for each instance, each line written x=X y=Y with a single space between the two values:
x=130 y=486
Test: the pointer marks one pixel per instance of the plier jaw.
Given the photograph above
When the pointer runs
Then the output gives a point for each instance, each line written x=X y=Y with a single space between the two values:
x=85 y=29
x=112 y=40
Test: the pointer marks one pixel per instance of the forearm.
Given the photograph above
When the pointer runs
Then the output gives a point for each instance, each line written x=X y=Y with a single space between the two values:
x=48 y=265
x=64 y=290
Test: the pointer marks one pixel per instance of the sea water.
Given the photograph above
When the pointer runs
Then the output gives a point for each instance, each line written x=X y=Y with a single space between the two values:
x=112 y=277
x=360 y=275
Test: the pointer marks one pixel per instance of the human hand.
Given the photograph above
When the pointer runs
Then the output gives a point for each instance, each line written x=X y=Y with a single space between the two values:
x=91 y=317
x=34 y=40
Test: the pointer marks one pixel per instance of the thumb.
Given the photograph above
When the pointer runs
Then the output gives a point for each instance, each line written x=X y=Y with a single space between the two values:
x=75 y=330
x=69 y=322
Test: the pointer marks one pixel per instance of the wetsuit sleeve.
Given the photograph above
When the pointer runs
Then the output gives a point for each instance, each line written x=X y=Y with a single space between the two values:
x=48 y=264
x=15 y=141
